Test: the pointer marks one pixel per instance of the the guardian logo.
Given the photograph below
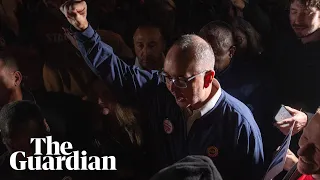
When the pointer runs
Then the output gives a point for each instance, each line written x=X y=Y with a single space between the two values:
x=59 y=158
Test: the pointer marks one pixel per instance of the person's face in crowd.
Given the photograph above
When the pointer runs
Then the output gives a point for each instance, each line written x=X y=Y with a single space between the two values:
x=242 y=41
x=180 y=65
x=101 y=96
x=222 y=55
x=20 y=138
x=309 y=152
x=7 y=83
x=149 y=47
x=304 y=20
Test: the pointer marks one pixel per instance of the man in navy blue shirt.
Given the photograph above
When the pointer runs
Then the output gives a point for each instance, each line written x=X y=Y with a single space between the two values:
x=188 y=112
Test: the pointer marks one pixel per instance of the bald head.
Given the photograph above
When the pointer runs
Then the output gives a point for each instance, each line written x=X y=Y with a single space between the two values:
x=192 y=50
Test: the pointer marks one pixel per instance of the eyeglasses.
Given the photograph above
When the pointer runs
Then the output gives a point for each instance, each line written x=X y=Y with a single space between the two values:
x=180 y=82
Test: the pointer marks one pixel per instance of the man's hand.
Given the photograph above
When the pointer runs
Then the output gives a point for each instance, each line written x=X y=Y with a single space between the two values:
x=76 y=13
x=291 y=160
x=300 y=119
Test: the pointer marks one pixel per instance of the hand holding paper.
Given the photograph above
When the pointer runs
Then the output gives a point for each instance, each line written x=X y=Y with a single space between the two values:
x=298 y=118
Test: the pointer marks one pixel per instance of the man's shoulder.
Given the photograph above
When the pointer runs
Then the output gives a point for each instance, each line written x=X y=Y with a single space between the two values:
x=235 y=105
x=235 y=108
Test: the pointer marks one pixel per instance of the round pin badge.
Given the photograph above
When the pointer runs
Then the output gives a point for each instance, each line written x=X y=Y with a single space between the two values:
x=212 y=151
x=167 y=126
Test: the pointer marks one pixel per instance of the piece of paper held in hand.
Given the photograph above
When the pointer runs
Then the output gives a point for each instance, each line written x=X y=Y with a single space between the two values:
x=282 y=114
x=278 y=161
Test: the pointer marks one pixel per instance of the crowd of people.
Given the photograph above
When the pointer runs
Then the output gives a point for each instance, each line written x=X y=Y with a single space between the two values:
x=174 y=89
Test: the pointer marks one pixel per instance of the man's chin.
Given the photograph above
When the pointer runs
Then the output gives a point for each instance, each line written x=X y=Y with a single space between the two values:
x=306 y=168
x=303 y=34
x=182 y=104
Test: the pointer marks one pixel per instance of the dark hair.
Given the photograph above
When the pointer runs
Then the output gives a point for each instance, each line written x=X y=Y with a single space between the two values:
x=8 y=60
x=125 y=114
x=308 y=3
x=253 y=37
x=16 y=115
x=221 y=31
x=150 y=24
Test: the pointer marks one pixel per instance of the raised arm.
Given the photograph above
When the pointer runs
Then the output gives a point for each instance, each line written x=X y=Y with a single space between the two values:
x=101 y=58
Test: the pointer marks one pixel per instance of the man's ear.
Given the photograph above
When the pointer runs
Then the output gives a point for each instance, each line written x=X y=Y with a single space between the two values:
x=208 y=78
x=17 y=78
x=46 y=125
x=232 y=51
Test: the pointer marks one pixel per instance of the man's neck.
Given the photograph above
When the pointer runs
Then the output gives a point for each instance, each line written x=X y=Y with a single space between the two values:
x=16 y=95
x=311 y=38
x=214 y=89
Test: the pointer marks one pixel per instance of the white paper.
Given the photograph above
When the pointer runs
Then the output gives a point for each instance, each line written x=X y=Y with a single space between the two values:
x=277 y=164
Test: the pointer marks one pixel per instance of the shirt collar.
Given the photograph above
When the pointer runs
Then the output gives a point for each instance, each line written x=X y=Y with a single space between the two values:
x=210 y=104
x=196 y=114
x=136 y=63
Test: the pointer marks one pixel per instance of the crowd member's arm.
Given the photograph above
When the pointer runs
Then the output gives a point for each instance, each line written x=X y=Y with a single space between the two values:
x=100 y=56
x=299 y=117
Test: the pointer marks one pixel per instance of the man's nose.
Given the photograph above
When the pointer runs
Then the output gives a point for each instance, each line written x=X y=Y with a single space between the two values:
x=144 y=51
x=300 y=19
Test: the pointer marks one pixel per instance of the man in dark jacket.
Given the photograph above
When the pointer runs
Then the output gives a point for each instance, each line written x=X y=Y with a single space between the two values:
x=189 y=113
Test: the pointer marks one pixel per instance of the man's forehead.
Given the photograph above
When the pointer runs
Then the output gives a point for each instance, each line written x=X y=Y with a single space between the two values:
x=296 y=4
x=147 y=33
x=178 y=62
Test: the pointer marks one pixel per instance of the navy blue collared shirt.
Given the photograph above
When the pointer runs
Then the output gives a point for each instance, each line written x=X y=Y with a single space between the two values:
x=228 y=133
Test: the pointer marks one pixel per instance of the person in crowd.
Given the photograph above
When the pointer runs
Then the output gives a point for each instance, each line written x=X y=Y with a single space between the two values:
x=308 y=161
x=241 y=80
x=248 y=41
x=149 y=47
x=30 y=65
x=20 y=121
x=237 y=80
x=295 y=59
x=219 y=35
x=56 y=107
x=72 y=119
x=118 y=131
x=187 y=111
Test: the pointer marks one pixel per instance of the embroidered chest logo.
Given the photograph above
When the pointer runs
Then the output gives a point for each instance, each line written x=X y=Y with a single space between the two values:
x=212 y=151
x=167 y=126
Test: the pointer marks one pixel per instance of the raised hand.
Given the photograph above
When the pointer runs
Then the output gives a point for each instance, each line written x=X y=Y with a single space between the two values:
x=76 y=13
